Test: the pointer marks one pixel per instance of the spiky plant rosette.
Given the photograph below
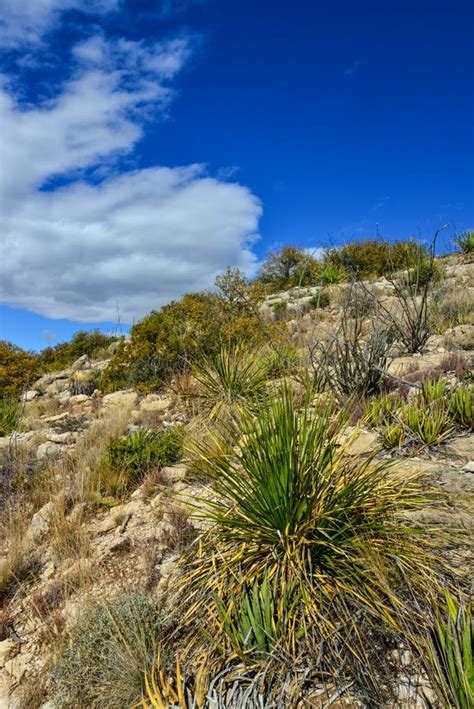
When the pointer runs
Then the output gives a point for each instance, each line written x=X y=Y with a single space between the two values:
x=289 y=508
x=231 y=378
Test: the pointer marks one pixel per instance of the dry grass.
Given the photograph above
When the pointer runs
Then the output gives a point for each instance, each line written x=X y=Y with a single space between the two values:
x=20 y=561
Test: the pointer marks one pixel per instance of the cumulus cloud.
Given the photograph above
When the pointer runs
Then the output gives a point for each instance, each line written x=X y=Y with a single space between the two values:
x=137 y=238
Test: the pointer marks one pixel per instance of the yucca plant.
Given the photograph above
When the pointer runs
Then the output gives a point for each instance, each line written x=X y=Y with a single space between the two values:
x=230 y=379
x=450 y=658
x=430 y=425
x=332 y=273
x=288 y=506
x=461 y=406
x=434 y=391
x=465 y=242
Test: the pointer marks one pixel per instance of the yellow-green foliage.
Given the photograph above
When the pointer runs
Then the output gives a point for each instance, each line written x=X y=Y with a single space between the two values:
x=465 y=242
x=82 y=343
x=450 y=657
x=429 y=424
x=289 y=267
x=10 y=411
x=17 y=368
x=166 y=341
x=461 y=406
x=290 y=508
x=376 y=257
x=129 y=458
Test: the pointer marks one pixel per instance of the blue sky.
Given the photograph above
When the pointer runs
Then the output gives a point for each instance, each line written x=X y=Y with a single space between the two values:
x=148 y=144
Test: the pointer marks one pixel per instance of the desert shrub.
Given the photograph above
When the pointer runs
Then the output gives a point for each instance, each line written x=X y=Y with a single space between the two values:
x=461 y=406
x=374 y=257
x=450 y=657
x=10 y=413
x=451 y=309
x=465 y=242
x=166 y=341
x=82 y=342
x=133 y=455
x=433 y=391
x=104 y=660
x=393 y=435
x=289 y=267
x=321 y=299
x=350 y=364
x=380 y=411
x=17 y=368
x=290 y=507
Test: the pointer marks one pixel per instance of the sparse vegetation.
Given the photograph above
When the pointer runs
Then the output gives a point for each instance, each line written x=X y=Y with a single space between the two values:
x=10 y=413
x=465 y=242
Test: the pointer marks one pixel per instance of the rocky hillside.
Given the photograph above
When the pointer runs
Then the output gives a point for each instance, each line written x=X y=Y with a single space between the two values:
x=101 y=496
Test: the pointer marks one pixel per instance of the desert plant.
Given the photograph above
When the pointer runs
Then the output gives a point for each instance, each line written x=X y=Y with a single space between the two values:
x=380 y=411
x=429 y=424
x=332 y=273
x=350 y=364
x=83 y=382
x=393 y=435
x=10 y=413
x=288 y=506
x=450 y=656
x=465 y=241
x=108 y=652
x=231 y=378
x=461 y=406
x=321 y=299
x=163 y=689
x=134 y=454
x=433 y=390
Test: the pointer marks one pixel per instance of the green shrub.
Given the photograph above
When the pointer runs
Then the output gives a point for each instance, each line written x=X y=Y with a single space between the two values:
x=465 y=242
x=375 y=257
x=103 y=661
x=321 y=299
x=290 y=507
x=379 y=412
x=143 y=449
x=450 y=657
x=10 y=412
x=434 y=391
x=289 y=267
x=92 y=344
x=393 y=435
x=17 y=368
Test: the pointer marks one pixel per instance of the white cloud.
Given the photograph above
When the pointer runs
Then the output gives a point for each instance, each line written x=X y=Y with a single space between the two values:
x=137 y=238
x=24 y=22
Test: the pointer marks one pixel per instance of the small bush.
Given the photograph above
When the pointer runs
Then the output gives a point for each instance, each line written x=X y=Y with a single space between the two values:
x=321 y=299
x=289 y=267
x=332 y=273
x=10 y=413
x=132 y=456
x=83 y=382
x=465 y=242
x=434 y=391
x=17 y=368
x=82 y=342
x=374 y=257
x=103 y=662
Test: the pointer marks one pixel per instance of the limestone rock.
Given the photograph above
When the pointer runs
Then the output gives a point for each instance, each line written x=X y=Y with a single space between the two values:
x=67 y=438
x=152 y=403
x=462 y=447
x=174 y=473
x=30 y=395
x=125 y=398
x=83 y=362
x=48 y=450
x=40 y=522
x=78 y=399
x=461 y=337
x=8 y=648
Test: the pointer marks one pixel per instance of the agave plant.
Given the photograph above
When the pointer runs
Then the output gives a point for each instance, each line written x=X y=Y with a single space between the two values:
x=290 y=507
x=433 y=390
x=380 y=411
x=450 y=660
x=429 y=424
